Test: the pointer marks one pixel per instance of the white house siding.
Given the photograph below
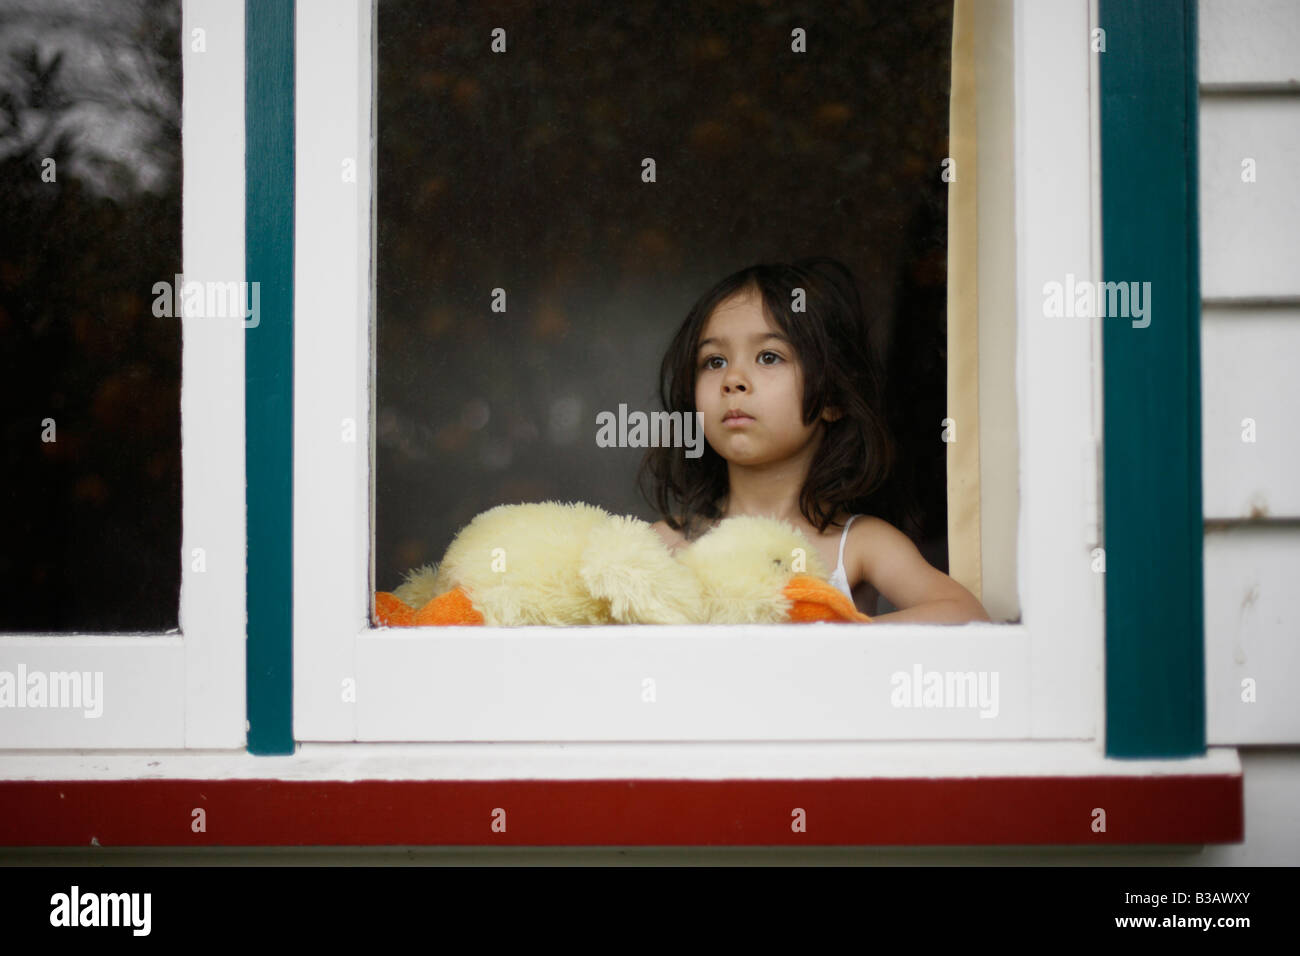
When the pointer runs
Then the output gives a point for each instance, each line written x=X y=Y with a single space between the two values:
x=1249 y=76
x=1249 y=66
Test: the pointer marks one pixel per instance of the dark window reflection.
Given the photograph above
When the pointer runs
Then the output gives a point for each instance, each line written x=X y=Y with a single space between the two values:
x=522 y=171
x=90 y=219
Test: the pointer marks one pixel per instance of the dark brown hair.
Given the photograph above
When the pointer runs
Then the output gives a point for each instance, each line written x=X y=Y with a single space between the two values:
x=840 y=370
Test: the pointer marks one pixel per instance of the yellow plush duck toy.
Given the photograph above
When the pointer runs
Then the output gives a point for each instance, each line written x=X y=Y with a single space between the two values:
x=572 y=564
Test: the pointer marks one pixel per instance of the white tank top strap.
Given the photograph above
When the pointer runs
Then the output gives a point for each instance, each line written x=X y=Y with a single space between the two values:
x=839 y=577
x=844 y=537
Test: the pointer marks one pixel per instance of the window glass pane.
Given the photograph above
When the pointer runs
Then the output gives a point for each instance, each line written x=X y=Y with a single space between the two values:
x=90 y=164
x=524 y=170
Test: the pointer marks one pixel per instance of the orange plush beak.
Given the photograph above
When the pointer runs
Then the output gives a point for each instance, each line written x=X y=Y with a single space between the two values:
x=815 y=600
x=392 y=611
x=446 y=610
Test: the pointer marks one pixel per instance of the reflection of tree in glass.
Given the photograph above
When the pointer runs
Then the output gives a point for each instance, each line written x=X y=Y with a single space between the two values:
x=92 y=519
x=94 y=75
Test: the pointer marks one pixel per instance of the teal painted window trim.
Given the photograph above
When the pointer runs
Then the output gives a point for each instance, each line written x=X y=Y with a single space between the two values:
x=268 y=357
x=1155 y=677
x=1154 y=519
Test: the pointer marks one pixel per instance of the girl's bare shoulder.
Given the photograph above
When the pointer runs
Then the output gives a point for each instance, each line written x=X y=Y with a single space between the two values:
x=672 y=538
x=870 y=528
x=868 y=537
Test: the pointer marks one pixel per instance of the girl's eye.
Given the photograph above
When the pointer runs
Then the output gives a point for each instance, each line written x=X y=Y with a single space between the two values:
x=707 y=363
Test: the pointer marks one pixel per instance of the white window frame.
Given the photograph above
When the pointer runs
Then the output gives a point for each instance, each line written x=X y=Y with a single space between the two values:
x=802 y=682
x=183 y=689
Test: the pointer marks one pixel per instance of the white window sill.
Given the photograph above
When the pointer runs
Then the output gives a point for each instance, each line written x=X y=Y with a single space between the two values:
x=633 y=761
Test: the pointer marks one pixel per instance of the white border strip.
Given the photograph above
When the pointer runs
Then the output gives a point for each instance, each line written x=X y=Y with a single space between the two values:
x=214 y=603
x=1061 y=598
x=695 y=761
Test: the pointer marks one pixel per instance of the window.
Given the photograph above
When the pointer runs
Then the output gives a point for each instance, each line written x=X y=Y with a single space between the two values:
x=538 y=161
x=151 y=645
x=355 y=682
x=91 y=377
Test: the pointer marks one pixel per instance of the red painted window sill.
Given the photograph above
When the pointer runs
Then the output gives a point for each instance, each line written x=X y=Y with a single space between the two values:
x=1049 y=807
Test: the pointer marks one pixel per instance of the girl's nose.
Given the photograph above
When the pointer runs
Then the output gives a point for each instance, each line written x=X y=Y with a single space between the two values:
x=733 y=381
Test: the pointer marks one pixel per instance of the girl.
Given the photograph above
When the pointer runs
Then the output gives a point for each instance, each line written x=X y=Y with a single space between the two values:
x=776 y=358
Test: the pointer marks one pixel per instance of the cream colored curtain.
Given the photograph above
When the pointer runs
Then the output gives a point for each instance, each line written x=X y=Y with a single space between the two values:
x=963 y=428
x=983 y=441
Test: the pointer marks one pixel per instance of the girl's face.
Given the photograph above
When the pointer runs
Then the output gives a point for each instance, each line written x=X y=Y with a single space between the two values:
x=743 y=361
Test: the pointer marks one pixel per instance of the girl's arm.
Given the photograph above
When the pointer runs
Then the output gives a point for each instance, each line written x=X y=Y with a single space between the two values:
x=921 y=592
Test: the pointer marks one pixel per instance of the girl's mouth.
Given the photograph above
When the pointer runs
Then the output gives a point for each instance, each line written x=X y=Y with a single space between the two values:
x=737 y=421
